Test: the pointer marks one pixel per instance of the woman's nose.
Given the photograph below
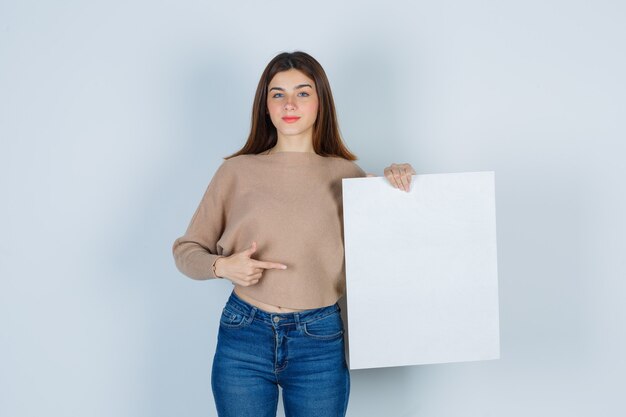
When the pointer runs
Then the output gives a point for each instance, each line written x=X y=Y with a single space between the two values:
x=289 y=104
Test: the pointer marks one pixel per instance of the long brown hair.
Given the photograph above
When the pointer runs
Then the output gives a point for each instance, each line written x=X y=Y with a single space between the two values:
x=326 y=137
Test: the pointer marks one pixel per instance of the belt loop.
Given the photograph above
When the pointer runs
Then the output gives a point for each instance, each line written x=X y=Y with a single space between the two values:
x=296 y=316
x=252 y=313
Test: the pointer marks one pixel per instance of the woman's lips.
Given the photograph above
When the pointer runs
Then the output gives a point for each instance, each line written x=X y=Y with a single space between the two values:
x=291 y=119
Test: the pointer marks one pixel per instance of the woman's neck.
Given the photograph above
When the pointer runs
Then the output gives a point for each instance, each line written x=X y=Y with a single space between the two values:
x=276 y=149
x=299 y=143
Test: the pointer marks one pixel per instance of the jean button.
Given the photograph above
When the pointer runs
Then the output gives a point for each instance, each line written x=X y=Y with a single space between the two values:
x=276 y=319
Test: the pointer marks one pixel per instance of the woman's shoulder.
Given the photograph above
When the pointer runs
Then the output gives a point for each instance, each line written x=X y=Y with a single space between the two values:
x=235 y=162
x=348 y=168
x=234 y=166
x=226 y=170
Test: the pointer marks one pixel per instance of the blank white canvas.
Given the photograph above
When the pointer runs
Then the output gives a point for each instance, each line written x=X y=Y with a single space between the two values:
x=421 y=270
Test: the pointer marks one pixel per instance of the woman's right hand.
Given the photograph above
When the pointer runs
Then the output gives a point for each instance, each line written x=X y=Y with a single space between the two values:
x=243 y=270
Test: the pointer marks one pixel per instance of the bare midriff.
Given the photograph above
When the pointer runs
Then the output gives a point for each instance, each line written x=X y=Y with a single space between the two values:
x=264 y=306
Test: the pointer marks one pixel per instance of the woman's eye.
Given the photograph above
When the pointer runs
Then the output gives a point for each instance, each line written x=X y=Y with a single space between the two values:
x=276 y=95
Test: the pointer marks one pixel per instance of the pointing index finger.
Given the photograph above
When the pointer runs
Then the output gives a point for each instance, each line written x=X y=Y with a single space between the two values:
x=270 y=265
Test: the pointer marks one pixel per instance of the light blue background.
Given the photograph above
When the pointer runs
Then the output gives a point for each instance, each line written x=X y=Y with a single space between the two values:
x=115 y=114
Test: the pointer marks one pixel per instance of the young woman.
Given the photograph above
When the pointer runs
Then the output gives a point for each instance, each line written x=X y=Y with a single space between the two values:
x=271 y=222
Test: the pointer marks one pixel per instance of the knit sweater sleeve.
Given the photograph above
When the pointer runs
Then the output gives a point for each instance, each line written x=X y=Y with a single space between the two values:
x=197 y=250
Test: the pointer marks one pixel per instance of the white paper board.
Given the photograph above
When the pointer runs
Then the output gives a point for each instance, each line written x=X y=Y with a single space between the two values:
x=421 y=270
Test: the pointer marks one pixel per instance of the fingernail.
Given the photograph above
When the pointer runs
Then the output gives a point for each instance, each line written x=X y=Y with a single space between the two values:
x=284 y=266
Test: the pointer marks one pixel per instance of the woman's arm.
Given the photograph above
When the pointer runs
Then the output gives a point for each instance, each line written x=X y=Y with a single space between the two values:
x=196 y=252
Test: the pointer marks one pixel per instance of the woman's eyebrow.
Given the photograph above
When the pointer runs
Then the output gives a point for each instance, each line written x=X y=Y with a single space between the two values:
x=295 y=88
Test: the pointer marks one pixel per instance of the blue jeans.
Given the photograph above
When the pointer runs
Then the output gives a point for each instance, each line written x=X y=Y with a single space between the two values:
x=257 y=351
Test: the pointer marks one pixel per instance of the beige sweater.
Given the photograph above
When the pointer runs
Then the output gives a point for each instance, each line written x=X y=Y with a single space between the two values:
x=291 y=204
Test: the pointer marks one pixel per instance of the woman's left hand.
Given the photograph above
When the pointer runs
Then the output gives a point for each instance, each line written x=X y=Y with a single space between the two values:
x=399 y=175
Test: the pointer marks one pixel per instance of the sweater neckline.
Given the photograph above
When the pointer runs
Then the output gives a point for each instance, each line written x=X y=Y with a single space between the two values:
x=289 y=153
x=289 y=158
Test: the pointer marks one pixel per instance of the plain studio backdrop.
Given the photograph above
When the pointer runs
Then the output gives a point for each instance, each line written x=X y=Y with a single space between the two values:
x=114 y=116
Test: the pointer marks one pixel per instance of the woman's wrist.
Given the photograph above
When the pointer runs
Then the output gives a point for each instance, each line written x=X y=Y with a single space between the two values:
x=215 y=267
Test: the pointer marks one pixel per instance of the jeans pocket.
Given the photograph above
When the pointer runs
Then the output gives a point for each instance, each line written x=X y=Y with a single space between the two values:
x=232 y=319
x=324 y=328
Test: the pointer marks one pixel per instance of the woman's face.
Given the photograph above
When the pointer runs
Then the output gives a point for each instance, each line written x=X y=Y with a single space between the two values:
x=292 y=94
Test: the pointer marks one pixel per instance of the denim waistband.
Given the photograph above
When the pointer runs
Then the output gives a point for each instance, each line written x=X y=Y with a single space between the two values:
x=251 y=311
